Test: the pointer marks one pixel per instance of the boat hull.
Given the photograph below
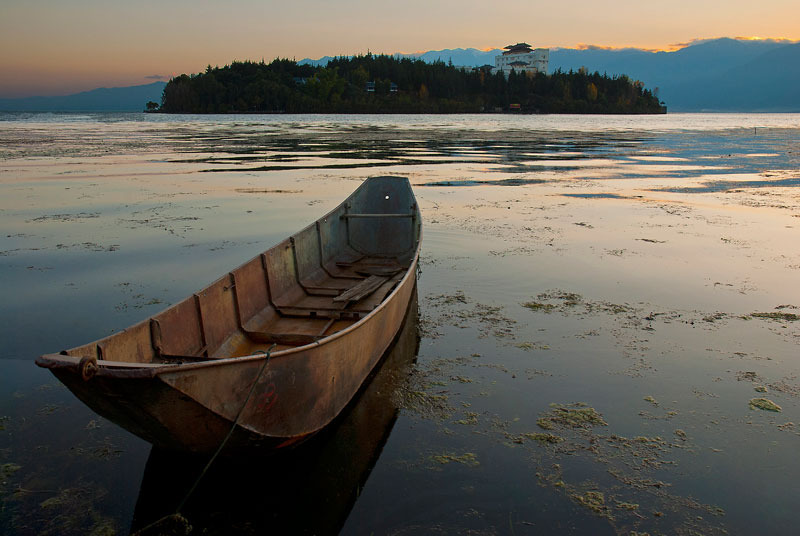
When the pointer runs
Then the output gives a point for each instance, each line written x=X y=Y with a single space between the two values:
x=271 y=399
x=295 y=396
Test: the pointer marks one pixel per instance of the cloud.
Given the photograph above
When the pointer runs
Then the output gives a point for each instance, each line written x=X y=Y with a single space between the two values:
x=585 y=46
x=672 y=47
x=697 y=41
x=768 y=39
x=157 y=77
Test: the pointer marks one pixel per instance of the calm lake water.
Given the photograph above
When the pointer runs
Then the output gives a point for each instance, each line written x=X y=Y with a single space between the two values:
x=602 y=302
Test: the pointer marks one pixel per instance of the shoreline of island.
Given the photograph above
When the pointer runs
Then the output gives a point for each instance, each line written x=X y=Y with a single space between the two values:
x=381 y=84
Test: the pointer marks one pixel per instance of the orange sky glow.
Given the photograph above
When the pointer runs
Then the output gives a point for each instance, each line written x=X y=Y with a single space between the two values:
x=51 y=47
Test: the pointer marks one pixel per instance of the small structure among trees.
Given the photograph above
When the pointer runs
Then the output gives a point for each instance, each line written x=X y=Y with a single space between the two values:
x=385 y=84
x=522 y=59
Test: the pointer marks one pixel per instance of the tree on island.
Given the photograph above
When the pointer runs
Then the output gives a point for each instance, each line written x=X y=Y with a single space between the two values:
x=385 y=84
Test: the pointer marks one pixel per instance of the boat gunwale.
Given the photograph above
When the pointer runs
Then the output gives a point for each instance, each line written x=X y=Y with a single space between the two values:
x=127 y=369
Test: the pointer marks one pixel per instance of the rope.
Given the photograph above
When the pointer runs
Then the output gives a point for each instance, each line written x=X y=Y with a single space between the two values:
x=230 y=433
x=219 y=449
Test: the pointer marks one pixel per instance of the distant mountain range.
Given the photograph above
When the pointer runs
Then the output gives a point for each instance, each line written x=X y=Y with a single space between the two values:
x=726 y=75
x=115 y=99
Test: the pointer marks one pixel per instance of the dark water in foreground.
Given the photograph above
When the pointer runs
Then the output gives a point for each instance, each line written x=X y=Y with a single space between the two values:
x=600 y=301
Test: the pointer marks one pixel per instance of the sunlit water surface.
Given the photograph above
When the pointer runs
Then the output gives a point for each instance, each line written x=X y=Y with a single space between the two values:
x=600 y=300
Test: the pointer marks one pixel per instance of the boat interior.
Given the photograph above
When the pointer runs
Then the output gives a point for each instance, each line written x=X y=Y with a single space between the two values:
x=312 y=285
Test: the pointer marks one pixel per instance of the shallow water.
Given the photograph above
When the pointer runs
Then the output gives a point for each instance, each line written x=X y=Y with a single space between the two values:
x=646 y=267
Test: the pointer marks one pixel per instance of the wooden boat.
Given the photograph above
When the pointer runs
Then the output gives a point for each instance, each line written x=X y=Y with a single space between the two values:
x=272 y=351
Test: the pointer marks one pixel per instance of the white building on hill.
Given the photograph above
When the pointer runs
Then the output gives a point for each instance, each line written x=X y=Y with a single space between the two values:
x=523 y=59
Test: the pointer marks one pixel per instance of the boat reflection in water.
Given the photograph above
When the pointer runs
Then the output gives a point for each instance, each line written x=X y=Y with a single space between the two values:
x=254 y=493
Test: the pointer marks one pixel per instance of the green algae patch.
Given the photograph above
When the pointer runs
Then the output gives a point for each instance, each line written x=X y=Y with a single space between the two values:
x=577 y=415
x=645 y=439
x=468 y=458
x=650 y=399
x=470 y=419
x=594 y=501
x=781 y=316
x=539 y=306
x=760 y=389
x=544 y=423
x=423 y=403
x=569 y=298
x=74 y=511
x=527 y=346
x=8 y=469
x=544 y=437
x=461 y=379
x=764 y=403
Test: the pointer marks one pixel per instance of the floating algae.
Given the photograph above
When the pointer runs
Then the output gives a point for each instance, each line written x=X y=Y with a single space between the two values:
x=568 y=303
x=449 y=310
x=544 y=437
x=48 y=409
x=764 y=403
x=434 y=406
x=544 y=424
x=468 y=458
x=624 y=503
x=594 y=501
x=567 y=298
x=461 y=379
x=73 y=511
x=527 y=346
x=8 y=469
x=577 y=415
x=786 y=317
x=644 y=439
x=652 y=400
x=471 y=419
x=539 y=306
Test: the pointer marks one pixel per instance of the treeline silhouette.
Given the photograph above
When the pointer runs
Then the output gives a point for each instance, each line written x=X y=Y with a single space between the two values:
x=385 y=84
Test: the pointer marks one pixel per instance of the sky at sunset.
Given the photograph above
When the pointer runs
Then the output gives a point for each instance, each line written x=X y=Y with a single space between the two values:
x=54 y=47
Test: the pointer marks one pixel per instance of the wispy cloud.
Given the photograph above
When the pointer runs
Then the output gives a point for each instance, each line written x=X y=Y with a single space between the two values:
x=697 y=41
x=586 y=46
x=157 y=77
x=768 y=39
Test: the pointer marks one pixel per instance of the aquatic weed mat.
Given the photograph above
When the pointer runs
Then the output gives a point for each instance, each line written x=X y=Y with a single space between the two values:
x=506 y=378
x=60 y=464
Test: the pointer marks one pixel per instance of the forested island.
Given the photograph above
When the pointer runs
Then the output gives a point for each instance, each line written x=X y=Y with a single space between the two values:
x=385 y=84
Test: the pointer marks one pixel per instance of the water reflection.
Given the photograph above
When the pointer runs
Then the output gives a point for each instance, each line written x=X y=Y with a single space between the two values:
x=728 y=185
x=646 y=267
x=309 y=490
